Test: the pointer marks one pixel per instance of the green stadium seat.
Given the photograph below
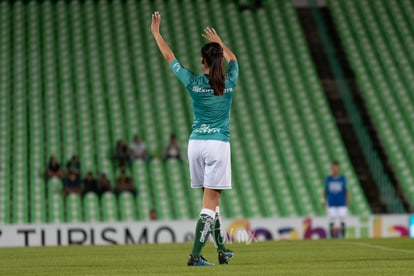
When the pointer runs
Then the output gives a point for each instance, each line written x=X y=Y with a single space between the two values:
x=55 y=201
x=38 y=212
x=109 y=207
x=73 y=208
x=127 y=207
x=91 y=208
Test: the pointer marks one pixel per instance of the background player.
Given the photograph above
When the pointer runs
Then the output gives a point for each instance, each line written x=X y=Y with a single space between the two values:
x=209 y=145
x=337 y=198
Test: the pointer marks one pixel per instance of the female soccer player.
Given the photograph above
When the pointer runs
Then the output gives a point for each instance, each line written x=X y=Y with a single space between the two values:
x=209 y=145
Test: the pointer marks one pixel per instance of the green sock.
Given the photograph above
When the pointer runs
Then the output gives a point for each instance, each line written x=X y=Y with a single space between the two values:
x=202 y=232
x=217 y=234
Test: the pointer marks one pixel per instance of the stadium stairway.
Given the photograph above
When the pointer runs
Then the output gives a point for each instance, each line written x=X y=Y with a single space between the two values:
x=379 y=45
x=79 y=75
x=338 y=80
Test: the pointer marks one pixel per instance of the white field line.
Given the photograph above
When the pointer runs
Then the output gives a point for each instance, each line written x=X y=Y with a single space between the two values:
x=384 y=248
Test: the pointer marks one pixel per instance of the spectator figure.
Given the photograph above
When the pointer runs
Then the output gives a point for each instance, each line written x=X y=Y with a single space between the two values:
x=173 y=149
x=153 y=214
x=71 y=184
x=89 y=184
x=73 y=165
x=124 y=184
x=53 y=168
x=121 y=153
x=138 y=149
x=337 y=200
x=103 y=184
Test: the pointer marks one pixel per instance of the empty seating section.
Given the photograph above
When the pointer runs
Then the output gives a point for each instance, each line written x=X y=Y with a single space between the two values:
x=296 y=119
x=378 y=38
x=35 y=128
x=19 y=175
x=96 y=98
x=5 y=86
x=79 y=75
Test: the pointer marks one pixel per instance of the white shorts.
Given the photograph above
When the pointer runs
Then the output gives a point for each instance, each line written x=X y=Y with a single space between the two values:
x=210 y=164
x=337 y=212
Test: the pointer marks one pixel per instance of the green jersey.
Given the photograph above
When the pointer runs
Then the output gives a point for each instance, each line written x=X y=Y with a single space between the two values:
x=211 y=113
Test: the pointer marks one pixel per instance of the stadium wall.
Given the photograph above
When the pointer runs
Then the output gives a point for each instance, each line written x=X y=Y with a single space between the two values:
x=239 y=230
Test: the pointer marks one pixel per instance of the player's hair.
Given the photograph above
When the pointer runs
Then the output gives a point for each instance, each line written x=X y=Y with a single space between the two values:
x=212 y=54
x=335 y=163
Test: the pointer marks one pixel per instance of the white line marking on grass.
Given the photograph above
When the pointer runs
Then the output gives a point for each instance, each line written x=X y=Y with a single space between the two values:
x=384 y=248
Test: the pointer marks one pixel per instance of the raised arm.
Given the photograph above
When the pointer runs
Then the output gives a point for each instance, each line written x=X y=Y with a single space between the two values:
x=162 y=45
x=211 y=35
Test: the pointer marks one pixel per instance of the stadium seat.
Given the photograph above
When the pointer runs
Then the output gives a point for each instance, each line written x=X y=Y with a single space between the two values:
x=37 y=209
x=109 y=207
x=91 y=208
x=55 y=201
x=73 y=208
x=127 y=207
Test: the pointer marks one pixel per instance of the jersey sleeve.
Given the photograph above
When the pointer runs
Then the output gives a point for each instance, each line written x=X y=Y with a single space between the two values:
x=233 y=71
x=182 y=73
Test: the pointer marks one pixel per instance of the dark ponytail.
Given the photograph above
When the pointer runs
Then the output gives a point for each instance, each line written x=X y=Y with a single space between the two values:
x=212 y=53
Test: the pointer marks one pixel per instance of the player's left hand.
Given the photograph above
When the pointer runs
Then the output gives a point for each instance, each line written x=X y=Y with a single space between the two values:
x=156 y=22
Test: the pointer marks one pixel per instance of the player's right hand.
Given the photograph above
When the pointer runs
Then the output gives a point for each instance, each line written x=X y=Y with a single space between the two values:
x=156 y=22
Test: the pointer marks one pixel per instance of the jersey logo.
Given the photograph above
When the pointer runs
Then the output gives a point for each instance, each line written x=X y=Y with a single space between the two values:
x=204 y=128
x=199 y=89
x=335 y=187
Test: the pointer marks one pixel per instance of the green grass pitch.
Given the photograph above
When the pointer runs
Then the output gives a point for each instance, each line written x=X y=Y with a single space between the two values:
x=317 y=257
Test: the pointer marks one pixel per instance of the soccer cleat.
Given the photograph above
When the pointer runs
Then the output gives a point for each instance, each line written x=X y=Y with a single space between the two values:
x=225 y=256
x=200 y=261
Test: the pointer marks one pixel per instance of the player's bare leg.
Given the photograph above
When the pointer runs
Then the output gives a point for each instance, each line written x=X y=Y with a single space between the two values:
x=211 y=199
